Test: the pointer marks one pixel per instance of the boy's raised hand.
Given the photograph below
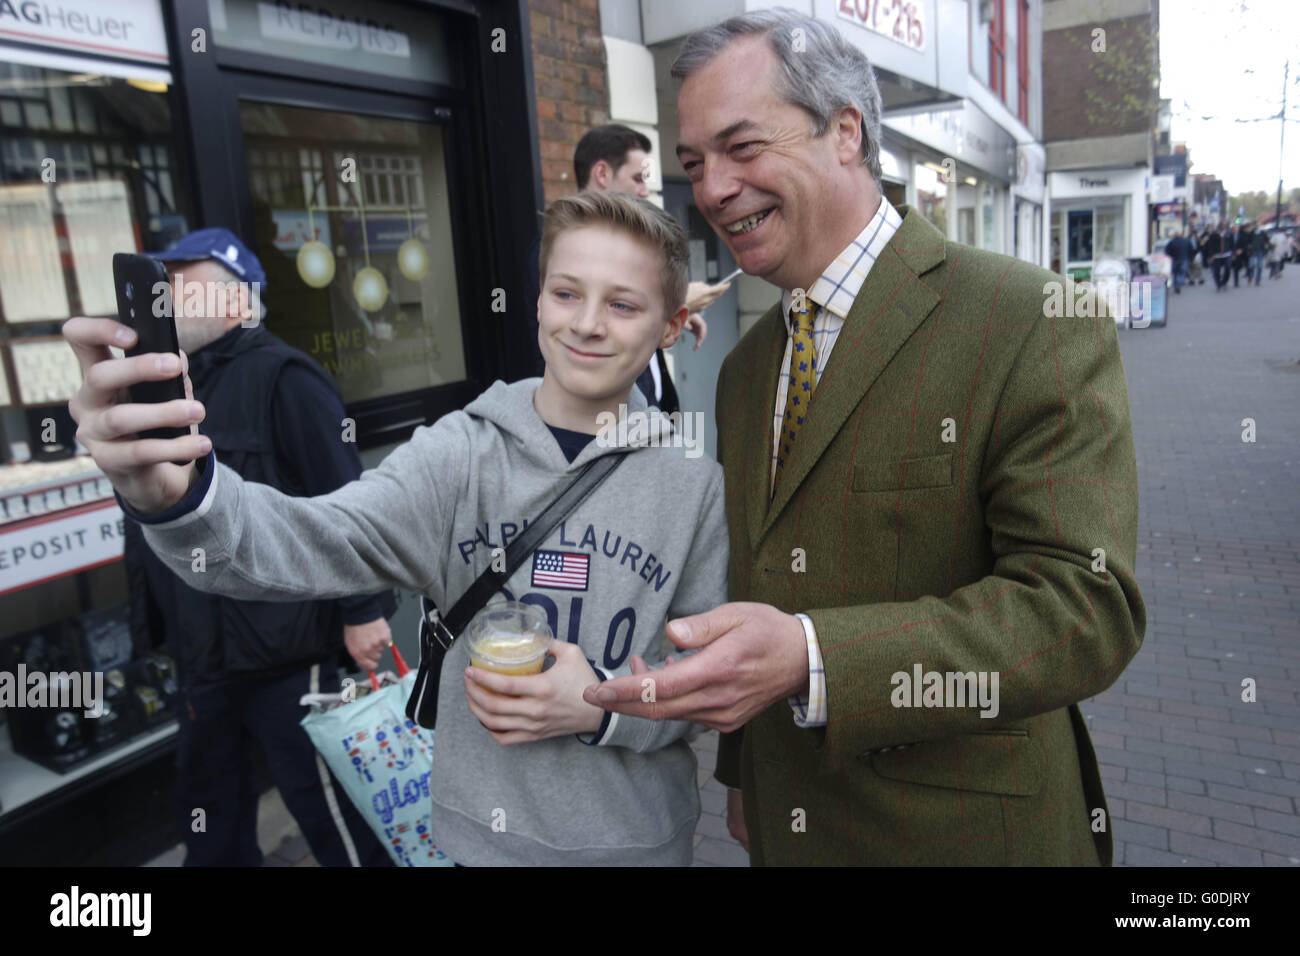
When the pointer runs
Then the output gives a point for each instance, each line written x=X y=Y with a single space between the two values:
x=538 y=706
x=141 y=470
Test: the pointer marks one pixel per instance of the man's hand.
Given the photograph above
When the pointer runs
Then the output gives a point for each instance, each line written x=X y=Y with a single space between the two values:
x=141 y=469
x=367 y=642
x=736 y=818
x=701 y=295
x=696 y=325
x=518 y=710
x=752 y=656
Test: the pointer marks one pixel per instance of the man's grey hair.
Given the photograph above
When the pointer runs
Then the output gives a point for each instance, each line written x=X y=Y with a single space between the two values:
x=824 y=74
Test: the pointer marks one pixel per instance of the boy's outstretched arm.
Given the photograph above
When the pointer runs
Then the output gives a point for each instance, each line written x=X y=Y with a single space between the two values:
x=242 y=539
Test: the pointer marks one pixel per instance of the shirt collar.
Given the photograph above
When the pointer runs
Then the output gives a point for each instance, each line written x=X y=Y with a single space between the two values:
x=841 y=281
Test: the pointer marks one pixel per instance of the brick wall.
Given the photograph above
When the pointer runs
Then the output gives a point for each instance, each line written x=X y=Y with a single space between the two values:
x=1071 y=69
x=570 y=83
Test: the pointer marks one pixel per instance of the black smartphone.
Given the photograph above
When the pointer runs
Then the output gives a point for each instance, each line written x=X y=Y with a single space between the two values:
x=146 y=306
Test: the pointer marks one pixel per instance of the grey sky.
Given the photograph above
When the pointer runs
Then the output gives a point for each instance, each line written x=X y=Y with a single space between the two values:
x=1223 y=59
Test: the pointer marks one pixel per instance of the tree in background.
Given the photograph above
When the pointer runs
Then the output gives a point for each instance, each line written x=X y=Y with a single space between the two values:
x=1125 y=85
x=1261 y=202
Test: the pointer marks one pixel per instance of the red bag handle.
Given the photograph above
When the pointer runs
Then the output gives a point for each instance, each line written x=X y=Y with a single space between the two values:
x=402 y=669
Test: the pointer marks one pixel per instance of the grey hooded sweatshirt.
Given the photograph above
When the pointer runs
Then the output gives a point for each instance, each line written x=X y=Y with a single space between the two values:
x=648 y=545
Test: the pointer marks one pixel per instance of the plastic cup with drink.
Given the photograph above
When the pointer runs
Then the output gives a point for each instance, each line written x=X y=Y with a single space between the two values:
x=509 y=638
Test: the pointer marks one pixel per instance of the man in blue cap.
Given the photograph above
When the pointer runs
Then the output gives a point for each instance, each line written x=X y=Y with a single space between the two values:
x=275 y=416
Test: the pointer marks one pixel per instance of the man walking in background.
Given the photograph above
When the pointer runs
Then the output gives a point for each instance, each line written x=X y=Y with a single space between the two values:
x=1180 y=251
x=1240 y=245
x=1260 y=246
x=1218 y=255
x=1194 y=273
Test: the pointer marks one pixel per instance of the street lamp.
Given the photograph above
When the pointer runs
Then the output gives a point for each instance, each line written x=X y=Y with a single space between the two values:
x=1277 y=215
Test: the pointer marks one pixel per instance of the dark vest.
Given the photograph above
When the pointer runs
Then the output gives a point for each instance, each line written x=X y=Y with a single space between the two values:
x=216 y=638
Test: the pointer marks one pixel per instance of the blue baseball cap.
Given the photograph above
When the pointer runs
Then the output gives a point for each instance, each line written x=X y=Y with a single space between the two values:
x=219 y=244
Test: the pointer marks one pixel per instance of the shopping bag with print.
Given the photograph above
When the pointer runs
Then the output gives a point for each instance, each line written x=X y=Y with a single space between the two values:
x=383 y=760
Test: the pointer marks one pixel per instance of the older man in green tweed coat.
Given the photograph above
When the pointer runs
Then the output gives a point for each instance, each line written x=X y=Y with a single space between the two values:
x=934 y=561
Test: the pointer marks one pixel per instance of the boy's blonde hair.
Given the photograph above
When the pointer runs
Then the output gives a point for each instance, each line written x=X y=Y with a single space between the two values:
x=628 y=214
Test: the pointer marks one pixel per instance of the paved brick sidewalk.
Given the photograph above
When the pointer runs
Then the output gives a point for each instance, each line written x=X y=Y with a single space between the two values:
x=1194 y=775
x=713 y=844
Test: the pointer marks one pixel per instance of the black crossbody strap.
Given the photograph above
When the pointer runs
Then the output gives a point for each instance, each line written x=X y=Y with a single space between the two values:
x=491 y=581
x=438 y=634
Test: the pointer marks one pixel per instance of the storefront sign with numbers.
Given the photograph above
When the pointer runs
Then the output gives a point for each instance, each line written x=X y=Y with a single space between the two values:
x=899 y=20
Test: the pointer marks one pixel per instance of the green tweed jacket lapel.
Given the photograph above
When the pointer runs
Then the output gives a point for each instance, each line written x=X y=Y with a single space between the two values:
x=892 y=302
x=756 y=440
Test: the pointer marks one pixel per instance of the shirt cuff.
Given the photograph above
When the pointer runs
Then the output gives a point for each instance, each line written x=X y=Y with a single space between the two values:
x=810 y=710
x=607 y=722
x=195 y=503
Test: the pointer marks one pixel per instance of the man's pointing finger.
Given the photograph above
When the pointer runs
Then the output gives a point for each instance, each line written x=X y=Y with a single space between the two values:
x=699 y=630
x=685 y=677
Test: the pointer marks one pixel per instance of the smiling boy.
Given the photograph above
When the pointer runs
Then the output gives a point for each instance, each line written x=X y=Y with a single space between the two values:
x=527 y=771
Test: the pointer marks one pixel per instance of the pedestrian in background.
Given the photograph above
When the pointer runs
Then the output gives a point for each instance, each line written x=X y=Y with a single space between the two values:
x=1276 y=252
x=1194 y=275
x=1240 y=247
x=1218 y=253
x=1260 y=248
x=1179 y=249
x=273 y=414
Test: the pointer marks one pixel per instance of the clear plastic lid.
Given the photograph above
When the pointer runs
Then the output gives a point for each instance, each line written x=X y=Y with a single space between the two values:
x=509 y=633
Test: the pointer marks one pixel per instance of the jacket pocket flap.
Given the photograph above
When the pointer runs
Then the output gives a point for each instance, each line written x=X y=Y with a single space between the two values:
x=989 y=762
x=932 y=472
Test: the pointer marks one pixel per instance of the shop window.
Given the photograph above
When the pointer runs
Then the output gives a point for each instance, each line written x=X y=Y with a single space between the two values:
x=932 y=194
x=966 y=226
x=352 y=224
x=1079 y=234
x=88 y=167
x=1108 y=241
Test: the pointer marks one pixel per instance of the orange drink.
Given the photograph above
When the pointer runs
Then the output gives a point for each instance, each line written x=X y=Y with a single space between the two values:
x=509 y=655
x=509 y=638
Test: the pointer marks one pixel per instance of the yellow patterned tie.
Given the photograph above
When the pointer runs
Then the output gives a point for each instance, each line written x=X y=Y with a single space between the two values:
x=803 y=379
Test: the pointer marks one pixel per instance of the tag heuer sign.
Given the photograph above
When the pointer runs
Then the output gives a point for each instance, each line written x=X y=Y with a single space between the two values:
x=123 y=29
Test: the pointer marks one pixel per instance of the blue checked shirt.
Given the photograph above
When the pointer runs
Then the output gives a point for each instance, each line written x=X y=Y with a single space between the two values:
x=834 y=292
